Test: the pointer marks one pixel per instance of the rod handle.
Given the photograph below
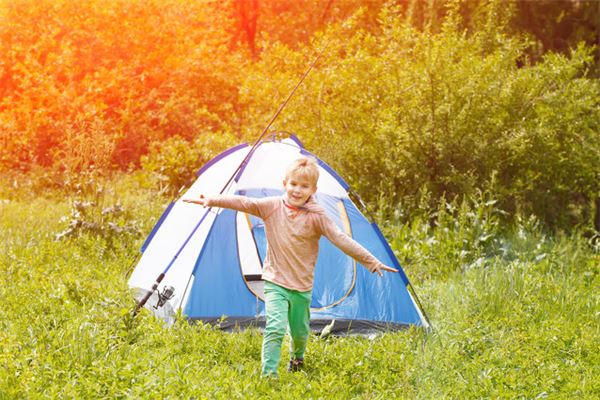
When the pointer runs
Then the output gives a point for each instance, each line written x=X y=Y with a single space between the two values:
x=144 y=299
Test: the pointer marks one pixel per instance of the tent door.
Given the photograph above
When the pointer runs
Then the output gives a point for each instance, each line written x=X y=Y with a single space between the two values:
x=250 y=259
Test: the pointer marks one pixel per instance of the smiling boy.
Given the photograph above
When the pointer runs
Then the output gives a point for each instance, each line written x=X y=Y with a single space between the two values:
x=294 y=223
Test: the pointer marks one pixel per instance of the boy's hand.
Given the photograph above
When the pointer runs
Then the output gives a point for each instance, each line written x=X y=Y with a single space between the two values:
x=203 y=201
x=382 y=267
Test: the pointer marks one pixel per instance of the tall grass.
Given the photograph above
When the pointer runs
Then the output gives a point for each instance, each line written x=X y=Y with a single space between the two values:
x=516 y=315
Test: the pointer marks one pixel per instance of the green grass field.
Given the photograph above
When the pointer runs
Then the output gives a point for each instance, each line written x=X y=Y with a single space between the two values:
x=516 y=316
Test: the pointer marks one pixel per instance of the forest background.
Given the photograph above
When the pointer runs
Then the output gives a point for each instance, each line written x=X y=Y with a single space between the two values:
x=471 y=128
x=412 y=101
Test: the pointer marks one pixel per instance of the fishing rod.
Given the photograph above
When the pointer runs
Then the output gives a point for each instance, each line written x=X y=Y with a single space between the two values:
x=168 y=292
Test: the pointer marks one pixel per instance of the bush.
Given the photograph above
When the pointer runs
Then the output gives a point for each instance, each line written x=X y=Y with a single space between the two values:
x=459 y=235
x=93 y=214
x=175 y=161
x=446 y=112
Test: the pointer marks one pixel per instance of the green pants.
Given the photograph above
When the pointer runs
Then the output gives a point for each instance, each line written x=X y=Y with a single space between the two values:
x=283 y=308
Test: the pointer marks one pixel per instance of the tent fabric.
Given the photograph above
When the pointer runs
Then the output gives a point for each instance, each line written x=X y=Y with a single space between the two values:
x=213 y=257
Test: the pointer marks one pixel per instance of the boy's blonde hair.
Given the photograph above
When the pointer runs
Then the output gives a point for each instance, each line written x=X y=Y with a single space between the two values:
x=306 y=167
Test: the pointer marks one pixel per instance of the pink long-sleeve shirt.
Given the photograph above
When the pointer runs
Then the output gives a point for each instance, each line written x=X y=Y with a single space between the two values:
x=293 y=238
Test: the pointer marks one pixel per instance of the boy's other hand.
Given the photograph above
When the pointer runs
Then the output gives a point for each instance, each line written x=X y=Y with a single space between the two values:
x=202 y=201
x=382 y=267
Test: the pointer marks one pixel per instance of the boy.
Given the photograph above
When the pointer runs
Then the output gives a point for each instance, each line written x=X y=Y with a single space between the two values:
x=294 y=223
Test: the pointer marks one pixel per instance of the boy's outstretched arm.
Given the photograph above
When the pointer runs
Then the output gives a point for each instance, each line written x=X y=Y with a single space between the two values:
x=233 y=202
x=352 y=247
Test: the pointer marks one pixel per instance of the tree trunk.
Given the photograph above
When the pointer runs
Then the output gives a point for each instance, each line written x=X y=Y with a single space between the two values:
x=247 y=13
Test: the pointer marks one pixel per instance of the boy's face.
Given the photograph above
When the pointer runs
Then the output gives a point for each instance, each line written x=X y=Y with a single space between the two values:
x=298 y=189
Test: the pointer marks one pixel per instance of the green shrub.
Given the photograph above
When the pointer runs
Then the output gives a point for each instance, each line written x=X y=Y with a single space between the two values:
x=175 y=161
x=94 y=212
x=447 y=112
x=458 y=236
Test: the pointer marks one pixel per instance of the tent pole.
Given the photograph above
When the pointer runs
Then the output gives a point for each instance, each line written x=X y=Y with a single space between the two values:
x=414 y=292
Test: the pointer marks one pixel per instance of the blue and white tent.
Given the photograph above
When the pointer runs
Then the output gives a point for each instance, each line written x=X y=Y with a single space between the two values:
x=212 y=258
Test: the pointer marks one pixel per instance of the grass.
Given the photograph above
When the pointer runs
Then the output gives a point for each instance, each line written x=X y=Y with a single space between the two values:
x=516 y=315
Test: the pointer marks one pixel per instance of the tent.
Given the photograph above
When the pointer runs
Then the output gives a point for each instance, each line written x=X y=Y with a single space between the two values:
x=212 y=258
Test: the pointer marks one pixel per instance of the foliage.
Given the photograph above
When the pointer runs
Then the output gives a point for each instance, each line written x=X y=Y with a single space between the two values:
x=412 y=101
x=111 y=223
x=552 y=25
x=407 y=112
x=454 y=238
x=522 y=324
x=93 y=213
x=175 y=161
x=559 y=26
x=294 y=23
x=127 y=73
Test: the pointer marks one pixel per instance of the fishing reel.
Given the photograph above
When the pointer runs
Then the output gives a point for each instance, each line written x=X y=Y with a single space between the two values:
x=164 y=296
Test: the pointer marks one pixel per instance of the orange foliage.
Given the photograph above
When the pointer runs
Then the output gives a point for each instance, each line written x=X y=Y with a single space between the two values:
x=104 y=78
x=96 y=82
